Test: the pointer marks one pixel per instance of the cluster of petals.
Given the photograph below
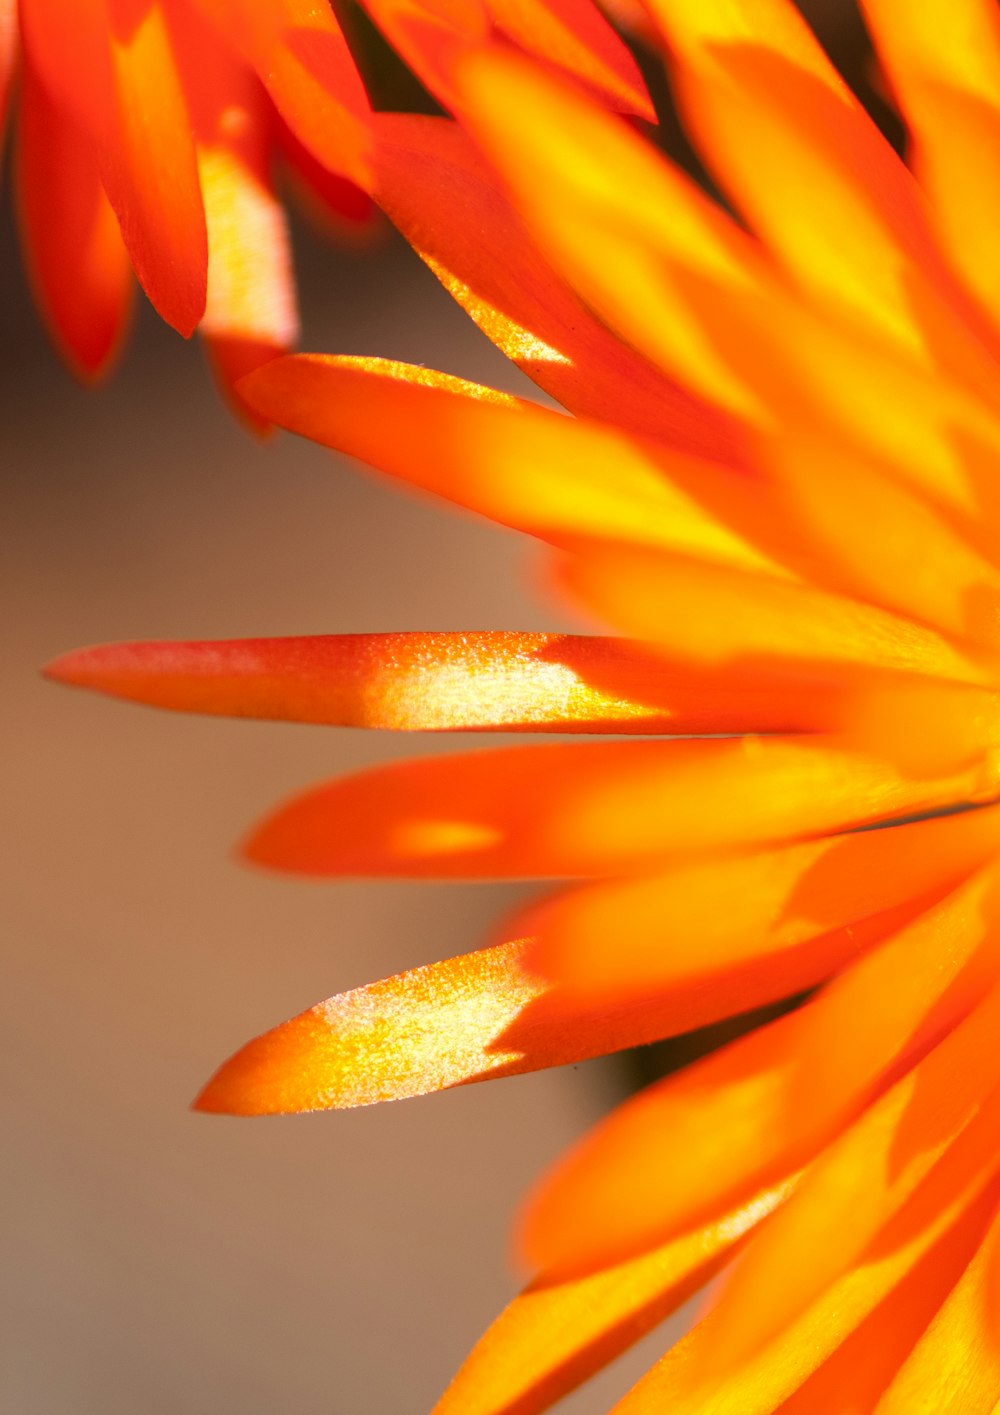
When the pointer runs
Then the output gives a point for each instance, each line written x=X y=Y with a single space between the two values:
x=149 y=132
x=777 y=495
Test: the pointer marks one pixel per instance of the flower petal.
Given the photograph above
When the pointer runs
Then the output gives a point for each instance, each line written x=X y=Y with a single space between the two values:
x=300 y=55
x=675 y=277
x=150 y=173
x=902 y=555
x=250 y=313
x=917 y=1250
x=447 y=202
x=441 y=682
x=565 y=810
x=954 y=1368
x=944 y=1115
x=809 y=168
x=73 y=249
x=758 y=1109
x=466 y=1019
x=573 y=170
x=569 y=35
x=572 y=35
x=335 y=204
x=725 y=935
x=111 y=66
x=944 y=70
x=756 y=620
x=555 y=1335
x=8 y=55
x=858 y=1372
x=519 y=464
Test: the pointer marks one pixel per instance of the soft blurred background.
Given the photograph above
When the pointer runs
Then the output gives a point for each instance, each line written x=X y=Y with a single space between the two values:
x=157 y=1260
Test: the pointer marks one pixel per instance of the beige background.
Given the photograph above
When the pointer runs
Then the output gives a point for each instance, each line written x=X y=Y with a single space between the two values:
x=160 y=1261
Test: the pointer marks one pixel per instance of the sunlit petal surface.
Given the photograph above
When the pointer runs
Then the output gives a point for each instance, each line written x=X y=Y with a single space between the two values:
x=772 y=485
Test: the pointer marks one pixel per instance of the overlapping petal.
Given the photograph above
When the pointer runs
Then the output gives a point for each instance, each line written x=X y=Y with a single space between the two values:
x=697 y=1143
x=676 y=277
x=554 y=1335
x=724 y=935
x=448 y=202
x=944 y=69
x=919 y=1251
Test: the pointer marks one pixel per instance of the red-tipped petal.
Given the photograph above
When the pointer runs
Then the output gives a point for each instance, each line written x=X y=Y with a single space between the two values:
x=150 y=171
x=73 y=250
x=471 y=681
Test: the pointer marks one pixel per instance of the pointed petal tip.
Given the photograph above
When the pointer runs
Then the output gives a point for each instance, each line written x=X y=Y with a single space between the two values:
x=80 y=668
x=219 y=1097
x=262 y=847
x=123 y=670
x=226 y=1091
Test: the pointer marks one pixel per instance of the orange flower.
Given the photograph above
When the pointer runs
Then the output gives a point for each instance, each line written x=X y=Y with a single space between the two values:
x=779 y=487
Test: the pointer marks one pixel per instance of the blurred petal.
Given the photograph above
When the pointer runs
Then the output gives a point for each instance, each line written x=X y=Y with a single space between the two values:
x=72 y=247
x=858 y=1371
x=569 y=35
x=567 y=810
x=150 y=172
x=68 y=44
x=943 y=64
x=447 y=202
x=8 y=55
x=110 y=66
x=674 y=275
x=335 y=204
x=250 y=313
x=808 y=167
x=300 y=55
x=573 y=170
x=902 y=554
x=755 y=620
x=512 y=461
x=573 y=36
